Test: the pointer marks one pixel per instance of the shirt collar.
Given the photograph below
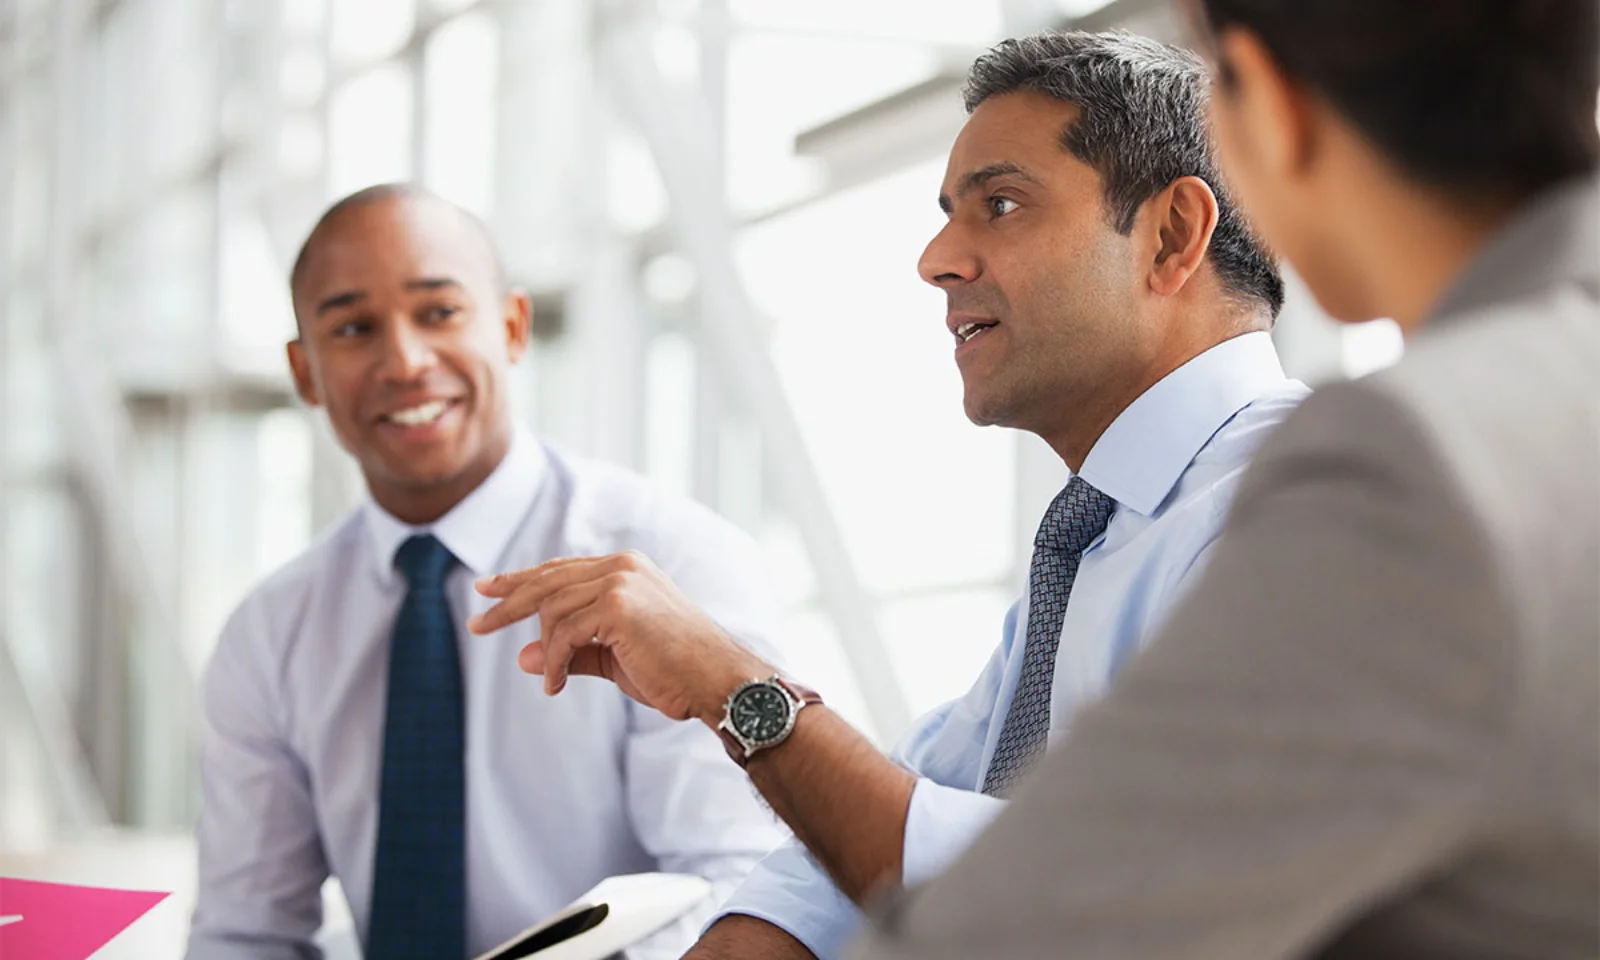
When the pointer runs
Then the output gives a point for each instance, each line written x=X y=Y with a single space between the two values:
x=1140 y=457
x=477 y=529
x=1552 y=239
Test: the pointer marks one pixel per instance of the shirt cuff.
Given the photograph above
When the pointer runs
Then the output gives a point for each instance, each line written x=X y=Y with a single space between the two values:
x=941 y=824
x=791 y=892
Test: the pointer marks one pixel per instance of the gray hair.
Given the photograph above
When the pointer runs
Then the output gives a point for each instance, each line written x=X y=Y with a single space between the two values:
x=1141 y=125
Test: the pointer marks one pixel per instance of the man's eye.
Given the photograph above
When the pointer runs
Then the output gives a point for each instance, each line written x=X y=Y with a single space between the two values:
x=352 y=328
x=1000 y=206
x=440 y=314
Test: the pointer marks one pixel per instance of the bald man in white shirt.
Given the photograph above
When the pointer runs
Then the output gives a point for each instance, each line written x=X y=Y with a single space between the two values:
x=454 y=802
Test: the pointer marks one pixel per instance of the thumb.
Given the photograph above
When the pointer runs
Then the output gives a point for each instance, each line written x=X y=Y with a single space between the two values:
x=531 y=659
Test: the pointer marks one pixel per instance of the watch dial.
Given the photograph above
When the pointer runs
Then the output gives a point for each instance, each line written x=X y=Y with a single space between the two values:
x=760 y=713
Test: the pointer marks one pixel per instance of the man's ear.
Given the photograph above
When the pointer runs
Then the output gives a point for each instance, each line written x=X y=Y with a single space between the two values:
x=1186 y=217
x=300 y=368
x=518 y=315
x=1272 y=111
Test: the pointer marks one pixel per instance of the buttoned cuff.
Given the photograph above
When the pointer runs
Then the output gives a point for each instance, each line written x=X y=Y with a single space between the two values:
x=941 y=823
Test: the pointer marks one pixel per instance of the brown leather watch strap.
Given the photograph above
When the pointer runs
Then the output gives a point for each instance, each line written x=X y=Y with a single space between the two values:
x=731 y=744
x=798 y=691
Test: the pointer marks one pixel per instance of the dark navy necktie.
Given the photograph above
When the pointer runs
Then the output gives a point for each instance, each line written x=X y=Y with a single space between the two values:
x=419 y=870
x=1076 y=517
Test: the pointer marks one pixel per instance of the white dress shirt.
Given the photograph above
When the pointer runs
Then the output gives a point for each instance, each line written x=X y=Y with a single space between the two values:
x=561 y=791
x=1171 y=461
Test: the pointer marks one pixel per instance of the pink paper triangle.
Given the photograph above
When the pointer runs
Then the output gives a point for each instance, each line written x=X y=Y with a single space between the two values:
x=64 y=922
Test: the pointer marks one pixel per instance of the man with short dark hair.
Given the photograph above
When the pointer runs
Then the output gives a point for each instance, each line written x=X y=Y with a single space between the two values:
x=1103 y=294
x=353 y=728
x=1372 y=729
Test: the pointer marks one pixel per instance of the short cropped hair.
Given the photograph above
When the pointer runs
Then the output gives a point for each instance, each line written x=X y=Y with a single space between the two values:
x=1141 y=125
x=1462 y=95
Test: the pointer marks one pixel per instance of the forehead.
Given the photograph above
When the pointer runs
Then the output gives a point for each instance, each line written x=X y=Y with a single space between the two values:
x=390 y=241
x=1022 y=128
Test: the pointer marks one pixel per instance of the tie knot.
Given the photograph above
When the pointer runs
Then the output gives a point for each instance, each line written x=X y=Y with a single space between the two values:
x=423 y=561
x=1077 y=515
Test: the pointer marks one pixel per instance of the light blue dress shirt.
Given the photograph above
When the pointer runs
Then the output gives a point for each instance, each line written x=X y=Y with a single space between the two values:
x=1171 y=461
x=561 y=791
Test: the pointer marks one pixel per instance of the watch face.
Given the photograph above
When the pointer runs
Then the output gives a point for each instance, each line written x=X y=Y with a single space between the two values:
x=760 y=713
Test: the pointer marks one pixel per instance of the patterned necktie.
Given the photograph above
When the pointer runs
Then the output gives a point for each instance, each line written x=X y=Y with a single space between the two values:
x=1076 y=516
x=419 y=870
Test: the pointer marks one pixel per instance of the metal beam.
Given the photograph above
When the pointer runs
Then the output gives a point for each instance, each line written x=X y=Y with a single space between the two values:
x=680 y=136
x=1019 y=17
x=920 y=121
x=78 y=802
x=8 y=191
x=887 y=135
x=34 y=702
x=1157 y=19
x=584 y=378
x=710 y=402
x=37 y=704
x=96 y=426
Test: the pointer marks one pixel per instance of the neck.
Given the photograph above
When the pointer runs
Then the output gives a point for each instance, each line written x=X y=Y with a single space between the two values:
x=418 y=504
x=1073 y=440
x=1085 y=422
x=1074 y=448
x=1425 y=241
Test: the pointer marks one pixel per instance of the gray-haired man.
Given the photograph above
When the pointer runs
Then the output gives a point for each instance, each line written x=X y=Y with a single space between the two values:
x=1104 y=294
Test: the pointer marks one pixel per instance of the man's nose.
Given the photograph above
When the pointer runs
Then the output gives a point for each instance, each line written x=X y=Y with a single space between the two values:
x=948 y=258
x=408 y=353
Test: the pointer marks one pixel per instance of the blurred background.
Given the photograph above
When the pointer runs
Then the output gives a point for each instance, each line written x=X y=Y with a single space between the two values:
x=718 y=206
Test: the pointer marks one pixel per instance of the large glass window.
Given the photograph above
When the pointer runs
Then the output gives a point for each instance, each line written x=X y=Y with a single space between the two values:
x=925 y=500
x=370 y=130
x=459 y=76
x=179 y=231
x=364 y=31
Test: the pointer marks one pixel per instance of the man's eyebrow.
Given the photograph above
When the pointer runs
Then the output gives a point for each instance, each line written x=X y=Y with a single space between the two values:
x=340 y=300
x=981 y=176
x=432 y=283
x=356 y=296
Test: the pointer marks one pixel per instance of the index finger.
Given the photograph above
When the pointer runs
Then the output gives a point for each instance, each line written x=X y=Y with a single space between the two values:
x=501 y=584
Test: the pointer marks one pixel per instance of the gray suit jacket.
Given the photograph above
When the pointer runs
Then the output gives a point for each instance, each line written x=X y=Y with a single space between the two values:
x=1373 y=730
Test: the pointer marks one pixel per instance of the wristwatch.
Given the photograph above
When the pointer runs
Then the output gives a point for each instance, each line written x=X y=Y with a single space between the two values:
x=760 y=714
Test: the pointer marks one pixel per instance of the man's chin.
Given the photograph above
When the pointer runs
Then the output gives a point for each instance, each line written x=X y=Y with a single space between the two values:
x=443 y=462
x=997 y=416
x=982 y=411
x=421 y=472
